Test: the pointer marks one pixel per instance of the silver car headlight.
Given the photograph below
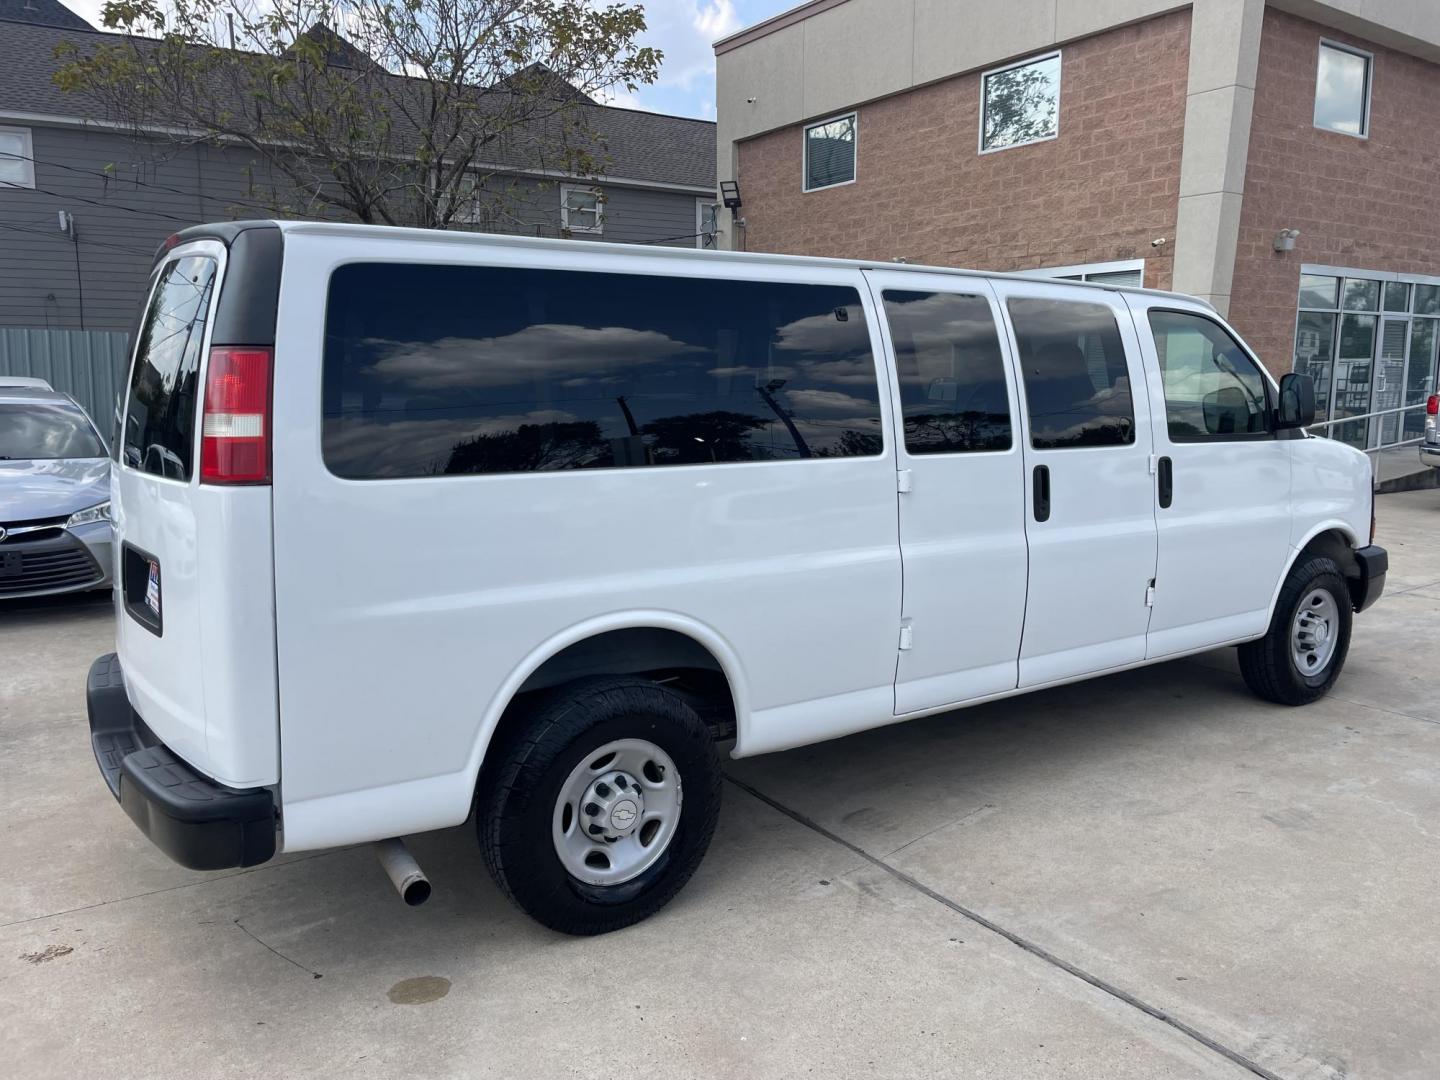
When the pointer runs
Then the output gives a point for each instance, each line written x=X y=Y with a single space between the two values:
x=98 y=512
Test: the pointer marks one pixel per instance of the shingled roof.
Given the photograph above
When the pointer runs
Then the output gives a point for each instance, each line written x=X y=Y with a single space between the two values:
x=638 y=145
x=41 y=13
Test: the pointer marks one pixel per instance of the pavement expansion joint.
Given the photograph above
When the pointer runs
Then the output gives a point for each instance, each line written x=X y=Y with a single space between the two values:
x=1011 y=936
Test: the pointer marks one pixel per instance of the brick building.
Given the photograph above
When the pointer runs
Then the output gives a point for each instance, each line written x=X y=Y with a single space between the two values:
x=1280 y=159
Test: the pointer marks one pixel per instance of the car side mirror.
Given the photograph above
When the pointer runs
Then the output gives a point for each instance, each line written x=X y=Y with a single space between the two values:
x=1297 y=401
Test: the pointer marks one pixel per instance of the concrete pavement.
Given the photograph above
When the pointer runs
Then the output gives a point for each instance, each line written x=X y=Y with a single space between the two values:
x=1149 y=875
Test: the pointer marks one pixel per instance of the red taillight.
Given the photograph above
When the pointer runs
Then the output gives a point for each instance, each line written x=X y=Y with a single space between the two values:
x=1432 y=406
x=235 y=428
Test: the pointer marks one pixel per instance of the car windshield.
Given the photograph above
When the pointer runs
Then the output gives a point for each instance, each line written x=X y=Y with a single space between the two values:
x=32 y=430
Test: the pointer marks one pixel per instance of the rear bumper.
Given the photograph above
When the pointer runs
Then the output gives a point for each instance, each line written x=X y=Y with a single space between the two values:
x=1430 y=455
x=194 y=820
x=1374 y=562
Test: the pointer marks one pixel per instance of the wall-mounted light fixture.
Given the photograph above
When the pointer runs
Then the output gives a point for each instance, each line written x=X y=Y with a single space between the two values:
x=1285 y=239
x=730 y=194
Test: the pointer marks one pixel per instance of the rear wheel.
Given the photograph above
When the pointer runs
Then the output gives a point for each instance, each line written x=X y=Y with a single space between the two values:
x=602 y=806
x=1300 y=656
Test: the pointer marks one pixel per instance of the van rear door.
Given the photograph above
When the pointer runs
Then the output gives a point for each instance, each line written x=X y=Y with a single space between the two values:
x=193 y=568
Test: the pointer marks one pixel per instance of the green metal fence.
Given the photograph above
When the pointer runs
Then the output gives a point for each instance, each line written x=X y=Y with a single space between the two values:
x=87 y=365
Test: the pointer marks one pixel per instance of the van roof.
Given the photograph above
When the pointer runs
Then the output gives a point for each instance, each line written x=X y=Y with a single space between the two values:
x=495 y=240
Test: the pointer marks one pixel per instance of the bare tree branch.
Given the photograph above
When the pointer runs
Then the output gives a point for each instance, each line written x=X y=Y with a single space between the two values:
x=397 y=111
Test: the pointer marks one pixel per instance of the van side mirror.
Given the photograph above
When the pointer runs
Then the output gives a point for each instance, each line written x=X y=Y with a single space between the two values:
x=1297 y=401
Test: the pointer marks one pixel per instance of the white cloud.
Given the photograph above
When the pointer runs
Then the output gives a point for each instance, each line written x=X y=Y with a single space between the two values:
x=89 y=10
x=685 y=30
x=541 y=351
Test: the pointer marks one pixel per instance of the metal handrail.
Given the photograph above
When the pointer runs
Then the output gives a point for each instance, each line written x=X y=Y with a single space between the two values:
x=1328 y=424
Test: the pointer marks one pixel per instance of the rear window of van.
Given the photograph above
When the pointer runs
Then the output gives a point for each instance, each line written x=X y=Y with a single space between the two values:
x=436 y=370
x=159 y=429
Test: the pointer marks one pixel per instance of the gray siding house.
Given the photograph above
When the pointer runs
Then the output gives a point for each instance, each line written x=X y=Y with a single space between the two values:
x=84 y=204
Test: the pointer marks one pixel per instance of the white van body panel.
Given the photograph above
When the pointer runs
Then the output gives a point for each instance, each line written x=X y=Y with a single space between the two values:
x=1223 y=542
x=1092 y=561
x=962 y=536
x=418 y=805
x=795 y=564
x=159 y=517
x=1333 y=489
x=206 y=685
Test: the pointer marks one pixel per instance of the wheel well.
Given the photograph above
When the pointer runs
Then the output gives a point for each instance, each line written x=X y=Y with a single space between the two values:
x=672 y=659
x=1333 y=544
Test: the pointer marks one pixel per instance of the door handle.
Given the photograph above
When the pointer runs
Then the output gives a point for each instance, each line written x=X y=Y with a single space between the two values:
x=1166 y=483
x=1042 y=493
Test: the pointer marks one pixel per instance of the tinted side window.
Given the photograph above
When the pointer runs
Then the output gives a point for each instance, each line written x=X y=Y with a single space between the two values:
x=952 y=377
x=452 y=369
x=159 y=435
x=1077 y=387
x=1212 y=389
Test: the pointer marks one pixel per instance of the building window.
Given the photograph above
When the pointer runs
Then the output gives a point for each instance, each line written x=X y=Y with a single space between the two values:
x=707 y=224
x=1369 y=341
x=1342 y=90
x=468 y=207
x=830 y=153
x=1124 y=272
x=582 y=209
x=17 y=166
x=1020 y=103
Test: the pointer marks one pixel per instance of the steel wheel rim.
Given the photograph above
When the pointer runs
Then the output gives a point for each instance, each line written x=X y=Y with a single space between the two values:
x=617 y=812
x=1314 y=632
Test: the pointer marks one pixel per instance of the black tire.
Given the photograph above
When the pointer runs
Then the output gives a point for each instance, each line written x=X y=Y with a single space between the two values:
x=1266 y=663
x=516 y=813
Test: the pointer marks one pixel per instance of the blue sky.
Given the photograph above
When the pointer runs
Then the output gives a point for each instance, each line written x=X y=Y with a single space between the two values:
x=683 y=29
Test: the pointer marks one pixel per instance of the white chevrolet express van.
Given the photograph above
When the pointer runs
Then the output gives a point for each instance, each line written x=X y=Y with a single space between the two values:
x=416 y=526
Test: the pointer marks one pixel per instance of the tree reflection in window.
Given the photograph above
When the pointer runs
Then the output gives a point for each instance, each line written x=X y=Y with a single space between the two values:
x=952 y=378
x=1022 y=104
x=449 y=369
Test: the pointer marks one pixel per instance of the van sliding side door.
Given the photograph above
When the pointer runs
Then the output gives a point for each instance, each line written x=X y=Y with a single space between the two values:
x=961 y=488
x=1089 y=514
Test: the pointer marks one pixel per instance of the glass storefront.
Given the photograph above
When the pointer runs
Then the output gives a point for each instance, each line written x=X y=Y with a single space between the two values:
x=1369 y=341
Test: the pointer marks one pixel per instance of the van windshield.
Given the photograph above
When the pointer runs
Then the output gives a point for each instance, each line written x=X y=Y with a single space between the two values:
x=46 y=430
x=159 y=434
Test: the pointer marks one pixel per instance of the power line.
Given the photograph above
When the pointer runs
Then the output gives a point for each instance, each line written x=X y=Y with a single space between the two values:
x=116 y=206
x=93 y=243
x=107 y=176
x=668 y=239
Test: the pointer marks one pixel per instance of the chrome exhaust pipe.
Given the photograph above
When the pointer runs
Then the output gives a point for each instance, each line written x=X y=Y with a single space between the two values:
x=405 y=873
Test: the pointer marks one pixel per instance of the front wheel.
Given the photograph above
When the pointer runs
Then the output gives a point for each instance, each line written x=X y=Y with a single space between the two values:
x=602 y=807
x=1300 y=656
